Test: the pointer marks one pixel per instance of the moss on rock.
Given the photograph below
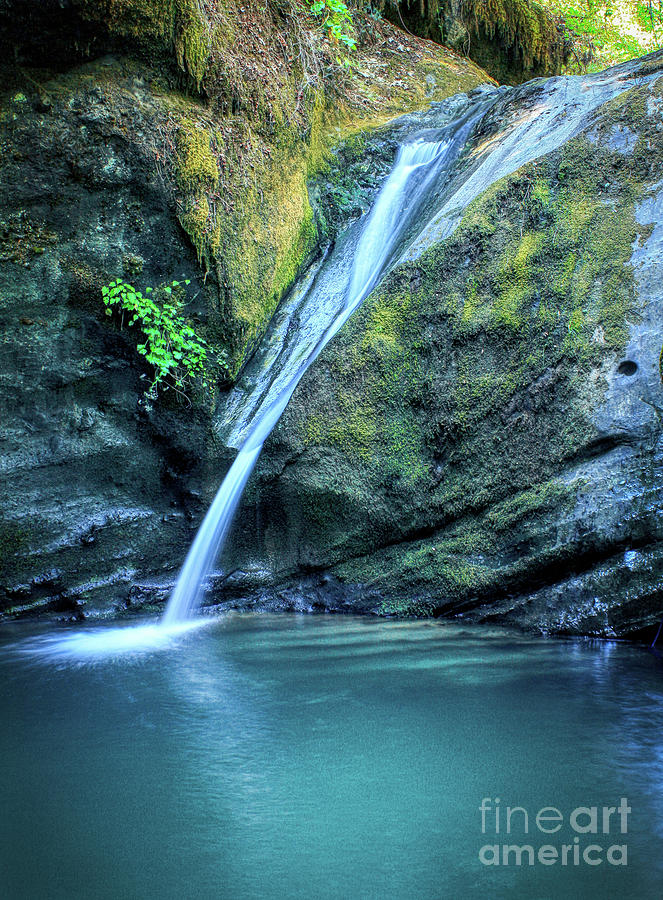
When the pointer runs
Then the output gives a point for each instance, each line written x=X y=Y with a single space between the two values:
x=195 y=163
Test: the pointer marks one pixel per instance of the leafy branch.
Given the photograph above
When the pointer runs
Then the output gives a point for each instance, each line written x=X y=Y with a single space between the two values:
x=337 y=21
x=178 y=357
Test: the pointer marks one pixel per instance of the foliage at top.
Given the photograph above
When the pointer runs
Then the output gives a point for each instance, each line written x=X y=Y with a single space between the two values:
x=177 y=356
x=519 y=39
x=337 y=21
x=607 y=32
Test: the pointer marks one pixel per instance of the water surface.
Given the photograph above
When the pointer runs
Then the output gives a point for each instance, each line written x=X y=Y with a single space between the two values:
x=323 y=757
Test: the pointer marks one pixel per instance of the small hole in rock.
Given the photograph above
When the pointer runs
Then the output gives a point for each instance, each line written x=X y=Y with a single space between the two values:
x=628 y=367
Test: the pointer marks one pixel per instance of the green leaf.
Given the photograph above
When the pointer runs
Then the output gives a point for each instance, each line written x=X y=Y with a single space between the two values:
x=169 y=344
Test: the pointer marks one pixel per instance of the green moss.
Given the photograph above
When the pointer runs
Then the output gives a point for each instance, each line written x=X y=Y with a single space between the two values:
x=192 y=39
x=551 y=494
x=194 y=218
x=290 y=261
x=562 y=277
x=424 y=574
x=386 y=324
x=352 y=430
x=259 y=244
x=263 y=243
x=387 y=352
x=584 y=238
x=195 y=164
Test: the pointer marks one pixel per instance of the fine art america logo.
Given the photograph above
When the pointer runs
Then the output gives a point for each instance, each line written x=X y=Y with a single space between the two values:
x=594 y=835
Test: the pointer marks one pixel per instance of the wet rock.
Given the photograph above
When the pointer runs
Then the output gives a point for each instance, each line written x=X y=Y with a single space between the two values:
x=84 y=486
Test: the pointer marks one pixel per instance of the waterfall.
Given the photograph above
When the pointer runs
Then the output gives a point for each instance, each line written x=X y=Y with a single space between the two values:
x=417 y=164
x=449 y=155
x=420 y=202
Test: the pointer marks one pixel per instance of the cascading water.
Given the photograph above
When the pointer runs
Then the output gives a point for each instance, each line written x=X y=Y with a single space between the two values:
x=305 y=323
x=416 y=164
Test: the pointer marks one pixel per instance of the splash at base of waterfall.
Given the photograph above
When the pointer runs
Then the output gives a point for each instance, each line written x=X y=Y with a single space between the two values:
x=85 y=645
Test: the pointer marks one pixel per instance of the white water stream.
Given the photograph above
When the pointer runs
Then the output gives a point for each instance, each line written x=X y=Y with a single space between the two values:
x=384 y=225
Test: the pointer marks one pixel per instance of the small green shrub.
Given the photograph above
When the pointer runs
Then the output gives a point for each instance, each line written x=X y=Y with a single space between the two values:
x=178 y=357
x=337 y=20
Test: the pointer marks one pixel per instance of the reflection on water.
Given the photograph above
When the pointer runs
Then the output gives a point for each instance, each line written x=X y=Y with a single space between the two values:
x=290 y=756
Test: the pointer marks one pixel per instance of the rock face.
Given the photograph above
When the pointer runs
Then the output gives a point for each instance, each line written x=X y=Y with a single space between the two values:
x=485 y=436
x=130 y=164
x=90 y=487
